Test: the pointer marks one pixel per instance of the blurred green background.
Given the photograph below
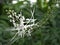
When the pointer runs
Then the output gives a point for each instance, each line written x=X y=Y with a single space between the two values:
x=47 y=13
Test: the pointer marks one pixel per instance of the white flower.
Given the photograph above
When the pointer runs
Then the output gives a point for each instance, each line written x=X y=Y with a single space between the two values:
x=23 y=17
x=20 y=26
x=57 y=5
x=12 y=11
x=24 y=2
x=9 y=10
x=13 y=21
x=14 y=2
x=21 y=33
x=15 y=13
x=17 y=16
x=33 y=1
x=10 y=20
x=14 y=24
x=47 y=1
x=10 y=16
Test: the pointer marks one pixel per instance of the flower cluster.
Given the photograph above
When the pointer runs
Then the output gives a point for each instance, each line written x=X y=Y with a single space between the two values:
x=22 y=25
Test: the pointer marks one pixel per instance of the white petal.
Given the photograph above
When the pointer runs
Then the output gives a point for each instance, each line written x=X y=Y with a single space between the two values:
x=14 y=2
x=57 y=5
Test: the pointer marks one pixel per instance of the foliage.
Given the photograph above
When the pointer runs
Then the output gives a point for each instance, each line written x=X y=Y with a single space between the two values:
x=48 y=17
